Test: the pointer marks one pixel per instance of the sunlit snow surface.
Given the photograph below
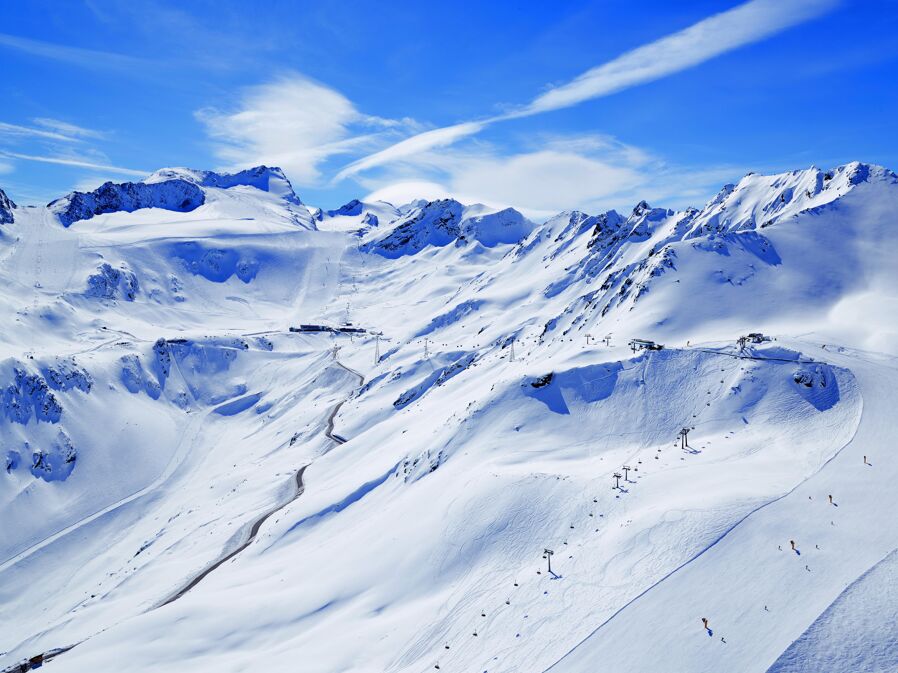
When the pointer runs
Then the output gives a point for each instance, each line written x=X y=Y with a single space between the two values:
x=158 y=413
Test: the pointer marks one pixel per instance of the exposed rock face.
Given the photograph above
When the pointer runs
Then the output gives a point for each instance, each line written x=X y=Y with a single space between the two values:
x=178 y=195
x=439 y=223
x=436 y=223
x=111 y=283
x=354 y=207
x=6 y=208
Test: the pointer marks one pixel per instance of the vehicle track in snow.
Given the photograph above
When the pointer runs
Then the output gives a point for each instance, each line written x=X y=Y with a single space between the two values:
x=299 y=488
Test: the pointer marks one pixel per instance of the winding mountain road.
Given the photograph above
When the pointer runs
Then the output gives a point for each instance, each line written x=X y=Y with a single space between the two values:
x=257 y=524
x=299 y=487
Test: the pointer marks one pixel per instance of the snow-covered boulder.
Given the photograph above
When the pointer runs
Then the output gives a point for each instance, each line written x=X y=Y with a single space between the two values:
x=6 y=208
x=177 y=194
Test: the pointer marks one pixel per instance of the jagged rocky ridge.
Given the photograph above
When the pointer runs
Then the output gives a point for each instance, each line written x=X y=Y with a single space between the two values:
x=446 y=221
x=6 y=208
x=176 y=189
x=177 y=194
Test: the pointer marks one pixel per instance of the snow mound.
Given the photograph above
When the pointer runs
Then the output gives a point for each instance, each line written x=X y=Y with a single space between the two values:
x=504 y=226
x=6 y=208
x=177 y=194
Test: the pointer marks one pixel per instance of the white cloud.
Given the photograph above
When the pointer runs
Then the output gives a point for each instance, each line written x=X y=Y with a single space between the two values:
x=88 y=58
x=592 y=173
x=546 y=180
x=718 y=34
x=400 y=193
x=18 y=131
x=78 y=162
x=70 y=131
x=293 y=123
x=409 y=147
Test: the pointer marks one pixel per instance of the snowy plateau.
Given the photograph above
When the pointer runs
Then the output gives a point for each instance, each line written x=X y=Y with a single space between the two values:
x=240 y=433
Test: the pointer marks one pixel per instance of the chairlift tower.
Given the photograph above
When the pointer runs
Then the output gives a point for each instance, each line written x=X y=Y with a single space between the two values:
x=617 y=476
x=684 y=441
x=626 y=469
x=547 y=554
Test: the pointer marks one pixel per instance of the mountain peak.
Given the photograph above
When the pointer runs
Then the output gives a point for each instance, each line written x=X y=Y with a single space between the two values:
x=759 y=200
x=265 y=178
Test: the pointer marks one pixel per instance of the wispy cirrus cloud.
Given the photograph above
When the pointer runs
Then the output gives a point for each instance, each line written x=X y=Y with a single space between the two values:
x=49 y=129
x=745 y=24
x=75 y=161
x=69 y=130
x=87 y=58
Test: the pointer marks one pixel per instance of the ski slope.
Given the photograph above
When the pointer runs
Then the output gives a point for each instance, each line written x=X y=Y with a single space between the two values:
x=191 y=483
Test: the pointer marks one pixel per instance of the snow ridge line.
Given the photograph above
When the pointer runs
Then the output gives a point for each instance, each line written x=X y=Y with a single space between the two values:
x=720 y=538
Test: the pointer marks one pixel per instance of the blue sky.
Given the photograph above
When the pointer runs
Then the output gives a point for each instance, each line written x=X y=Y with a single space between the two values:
x=534 y=104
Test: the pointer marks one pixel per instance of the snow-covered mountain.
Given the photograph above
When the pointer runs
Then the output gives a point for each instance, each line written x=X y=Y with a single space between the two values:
x=190 y=483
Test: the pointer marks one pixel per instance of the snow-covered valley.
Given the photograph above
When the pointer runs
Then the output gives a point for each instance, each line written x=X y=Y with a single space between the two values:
x=191 y=483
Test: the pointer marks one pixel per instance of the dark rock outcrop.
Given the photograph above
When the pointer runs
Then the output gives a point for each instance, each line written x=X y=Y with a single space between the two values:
x=6 y=208
x=177 y=195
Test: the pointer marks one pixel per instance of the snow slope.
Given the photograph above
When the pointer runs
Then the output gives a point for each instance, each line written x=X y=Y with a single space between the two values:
x=380 y=500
